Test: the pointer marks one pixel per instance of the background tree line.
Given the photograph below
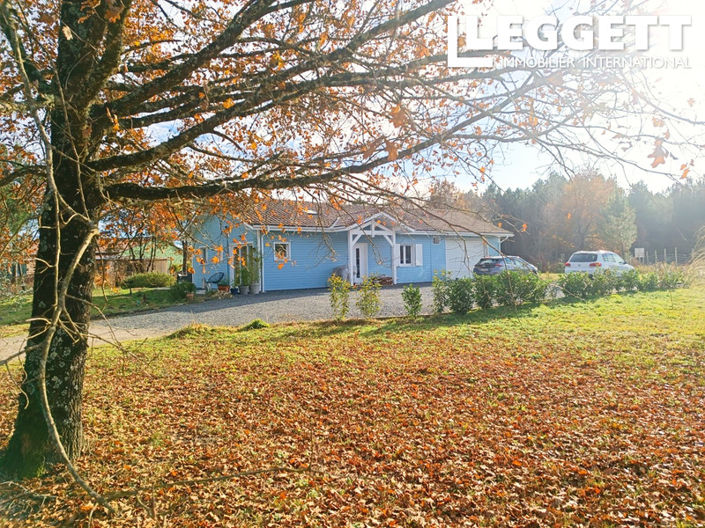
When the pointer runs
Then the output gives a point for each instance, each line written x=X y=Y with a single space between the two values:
x=558 y=215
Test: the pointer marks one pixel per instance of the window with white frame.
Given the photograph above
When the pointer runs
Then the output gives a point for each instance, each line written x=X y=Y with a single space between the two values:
x=405 y=255
x=282 y=251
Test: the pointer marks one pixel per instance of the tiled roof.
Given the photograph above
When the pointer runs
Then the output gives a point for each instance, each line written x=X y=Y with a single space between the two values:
x=290 y=213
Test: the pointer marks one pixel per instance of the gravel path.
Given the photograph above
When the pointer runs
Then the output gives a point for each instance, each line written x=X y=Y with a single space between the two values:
x=275 y=307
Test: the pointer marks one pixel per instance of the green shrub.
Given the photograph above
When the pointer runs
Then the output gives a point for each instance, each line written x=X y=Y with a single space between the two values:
x=339 y=296
x=514 y=288
x=412 y=300
x=440 y=286
x=602 y=283
x=485 y=288
x=180 y=289
x=460 y=295
x=368 y=302
x=506 y=289
x=255 y=324
x=576 y=285
x=148 y=280
x=670 y=278
x=648 y=281
x=628 y=281
x=535 y=290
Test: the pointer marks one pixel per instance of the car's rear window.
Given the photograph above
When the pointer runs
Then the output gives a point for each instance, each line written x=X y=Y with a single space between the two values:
x=584 y=257
x=487 y=262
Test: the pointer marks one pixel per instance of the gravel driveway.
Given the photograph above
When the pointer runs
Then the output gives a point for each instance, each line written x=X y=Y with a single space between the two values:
x=275 y=307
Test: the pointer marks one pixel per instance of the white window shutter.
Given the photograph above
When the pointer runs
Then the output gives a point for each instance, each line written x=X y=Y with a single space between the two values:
x=419 y=255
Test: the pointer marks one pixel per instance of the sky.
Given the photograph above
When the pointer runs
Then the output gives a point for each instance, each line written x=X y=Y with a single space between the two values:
x=521 y=165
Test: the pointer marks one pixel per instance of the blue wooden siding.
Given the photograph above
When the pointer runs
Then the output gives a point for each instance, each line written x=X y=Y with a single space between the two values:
x=379 y=256
x=213 y=235
x=314 y=256
x=414 y=273
x=493 y=245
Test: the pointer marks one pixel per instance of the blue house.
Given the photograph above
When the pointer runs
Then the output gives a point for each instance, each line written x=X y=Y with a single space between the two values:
x=301 y=244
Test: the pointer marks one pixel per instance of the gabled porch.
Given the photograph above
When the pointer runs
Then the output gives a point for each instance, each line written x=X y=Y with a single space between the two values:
x=362 y=236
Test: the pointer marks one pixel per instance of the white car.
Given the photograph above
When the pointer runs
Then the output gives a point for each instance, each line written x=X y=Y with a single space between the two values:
x=594 y=261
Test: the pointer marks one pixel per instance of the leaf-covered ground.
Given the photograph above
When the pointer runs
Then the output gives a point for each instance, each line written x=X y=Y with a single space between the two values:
x=585 y=414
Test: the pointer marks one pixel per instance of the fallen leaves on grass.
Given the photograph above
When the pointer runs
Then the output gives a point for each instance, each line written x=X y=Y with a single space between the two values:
x=504 y=423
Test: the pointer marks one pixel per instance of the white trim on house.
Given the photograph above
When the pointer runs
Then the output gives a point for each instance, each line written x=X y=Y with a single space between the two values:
x=406 y=258
x=370 y=229
x=408 y=231
x=415 y=255
x=286 y=257
x=379 y=225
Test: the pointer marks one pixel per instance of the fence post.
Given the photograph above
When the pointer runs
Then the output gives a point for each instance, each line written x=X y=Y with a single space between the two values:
x=676 y=255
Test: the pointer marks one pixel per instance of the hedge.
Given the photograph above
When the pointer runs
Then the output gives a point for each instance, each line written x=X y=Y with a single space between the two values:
x=149 y=280
x=511 y=288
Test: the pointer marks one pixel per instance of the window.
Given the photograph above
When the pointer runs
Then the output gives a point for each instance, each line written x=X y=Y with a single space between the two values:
x=281 y=251
x=583 y=257
x=520 y=263
x=405 y=255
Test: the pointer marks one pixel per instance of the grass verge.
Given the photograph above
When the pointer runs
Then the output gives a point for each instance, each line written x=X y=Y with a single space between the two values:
x=15 y=310
x=568 y=414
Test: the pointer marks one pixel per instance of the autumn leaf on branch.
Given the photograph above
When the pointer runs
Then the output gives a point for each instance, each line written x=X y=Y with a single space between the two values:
x=659 y=154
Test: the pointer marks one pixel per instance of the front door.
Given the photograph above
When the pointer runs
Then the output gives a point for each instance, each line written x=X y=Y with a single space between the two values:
x=359 y=263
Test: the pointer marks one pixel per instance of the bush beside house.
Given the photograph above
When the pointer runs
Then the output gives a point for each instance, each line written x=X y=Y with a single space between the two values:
x=411 y=296
x=149 y=280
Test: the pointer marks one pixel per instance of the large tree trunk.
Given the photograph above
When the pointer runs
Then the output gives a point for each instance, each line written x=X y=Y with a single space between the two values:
x=65 y=225
x=30 y=449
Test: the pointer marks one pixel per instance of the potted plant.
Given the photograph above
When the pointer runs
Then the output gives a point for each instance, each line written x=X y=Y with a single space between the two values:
x=186 y=290
x=236 y=288
x=253 y=264
x=223 y=286
x=245 y=281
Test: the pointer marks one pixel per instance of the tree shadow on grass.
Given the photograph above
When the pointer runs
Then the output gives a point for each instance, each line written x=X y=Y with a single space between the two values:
x=372 y=327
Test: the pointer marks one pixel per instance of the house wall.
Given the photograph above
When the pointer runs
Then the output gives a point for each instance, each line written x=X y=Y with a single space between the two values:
x=379 y=256
x=312 y=259
x=493 y=246
x=313 y=256
x=433 y=259
x=218 y=237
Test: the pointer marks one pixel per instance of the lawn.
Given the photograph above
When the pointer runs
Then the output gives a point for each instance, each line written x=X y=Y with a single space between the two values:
x=15 y=310
x=569 y=414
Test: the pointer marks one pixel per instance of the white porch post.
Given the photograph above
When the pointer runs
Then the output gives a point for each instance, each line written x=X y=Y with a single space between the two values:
x=394 y=257
x=350 y=257
x=228 y=258
x=260 y=250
